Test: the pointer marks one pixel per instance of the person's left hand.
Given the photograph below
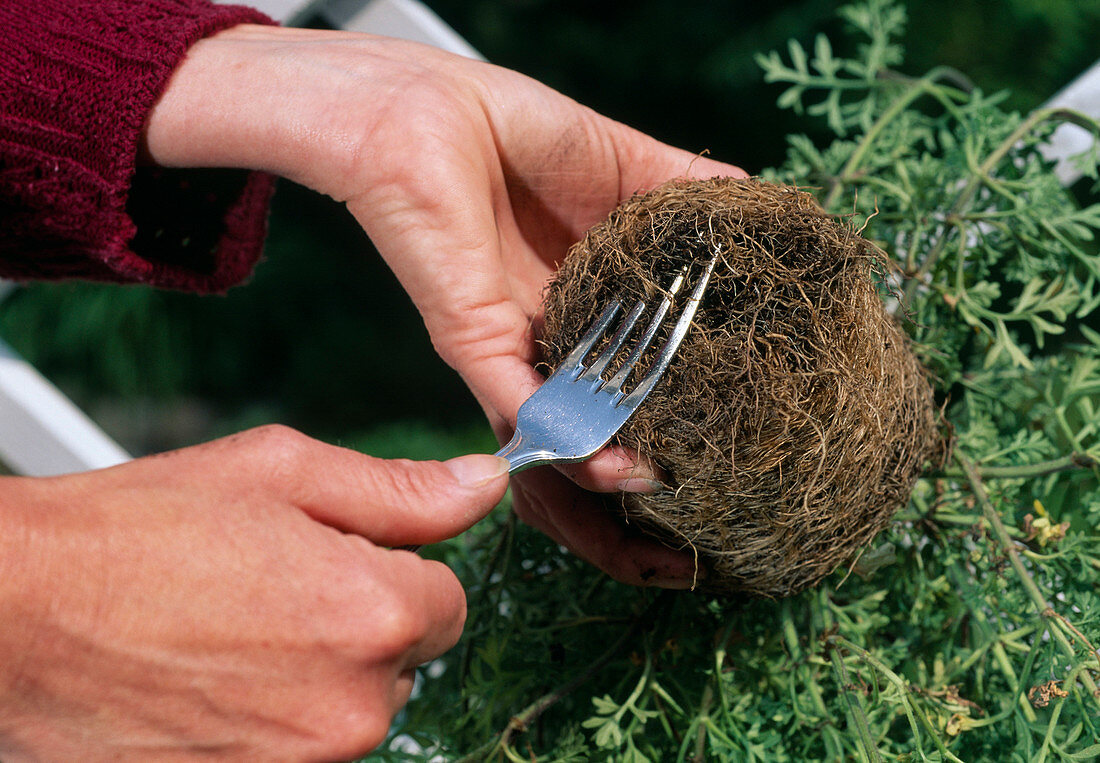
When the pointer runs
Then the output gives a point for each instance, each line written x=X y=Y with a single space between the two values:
x=472 y=181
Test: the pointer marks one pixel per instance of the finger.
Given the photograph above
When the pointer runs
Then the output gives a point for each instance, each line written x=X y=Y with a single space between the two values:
x=443 y=240
x=446 y=249
x=401 y=502
x=615 y=469
x=430 y=609
x=390 y=502
x=401 y=609
x=701 y=167
x=647 y=162
x=580 y=521
x=402 y=690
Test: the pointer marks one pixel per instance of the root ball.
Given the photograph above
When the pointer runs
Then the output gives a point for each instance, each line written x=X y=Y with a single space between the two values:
x=795 y=417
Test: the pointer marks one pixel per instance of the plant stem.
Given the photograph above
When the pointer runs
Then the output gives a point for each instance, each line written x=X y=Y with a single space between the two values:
x=855 y=707
x=959 y=520
x=902 y=685
x=701 y=735
x=981 y=176
x=501 y=550
x=902 y=102
x=1005 y=665
x=1025 y=471
x=1033 y=592
x=960 y=88
x=1065 y=623
x=521 y=720
x=833 y=744
x=1048 y=738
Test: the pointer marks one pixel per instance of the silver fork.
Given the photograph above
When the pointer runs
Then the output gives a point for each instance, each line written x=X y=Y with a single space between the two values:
x=576 y=411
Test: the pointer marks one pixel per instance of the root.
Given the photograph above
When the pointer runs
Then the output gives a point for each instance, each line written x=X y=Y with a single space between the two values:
x=793 y=364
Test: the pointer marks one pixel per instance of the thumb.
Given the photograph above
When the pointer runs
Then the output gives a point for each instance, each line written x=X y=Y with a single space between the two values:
x=701 y=167
x=392 y=503
x=655 y=162
x=402 y=502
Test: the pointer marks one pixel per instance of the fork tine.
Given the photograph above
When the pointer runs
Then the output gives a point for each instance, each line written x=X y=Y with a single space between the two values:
x=679 y=331
x=595 y=331
x=618 y=338
x=616 y=381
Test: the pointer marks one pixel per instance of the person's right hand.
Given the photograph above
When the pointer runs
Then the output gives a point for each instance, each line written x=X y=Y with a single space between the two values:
x=225 y=600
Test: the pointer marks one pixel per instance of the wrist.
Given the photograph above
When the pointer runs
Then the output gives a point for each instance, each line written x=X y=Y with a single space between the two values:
x=210 y=113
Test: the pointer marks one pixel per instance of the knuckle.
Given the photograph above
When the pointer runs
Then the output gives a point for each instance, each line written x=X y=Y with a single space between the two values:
x=448 y=616
x=621 y=572
x=382 y=621
x=274 y=435
x=400 y=628
x=369 y=734
x=624 y=569
x=353 y=727
x=362 y=732
x=276 y=448
x=421 y=611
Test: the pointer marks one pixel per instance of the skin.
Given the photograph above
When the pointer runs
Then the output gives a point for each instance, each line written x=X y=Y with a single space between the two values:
x=238 y=600
x=234 y=600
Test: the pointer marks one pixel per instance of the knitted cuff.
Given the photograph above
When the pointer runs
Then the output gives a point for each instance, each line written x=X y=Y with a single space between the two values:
x=77 y=82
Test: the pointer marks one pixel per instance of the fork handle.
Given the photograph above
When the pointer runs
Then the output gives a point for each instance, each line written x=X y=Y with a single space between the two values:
x=521 y=456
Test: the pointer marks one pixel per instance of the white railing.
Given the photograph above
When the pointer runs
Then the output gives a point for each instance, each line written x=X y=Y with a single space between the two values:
x=41 y=431
x=1083 y=94
x=405 y=19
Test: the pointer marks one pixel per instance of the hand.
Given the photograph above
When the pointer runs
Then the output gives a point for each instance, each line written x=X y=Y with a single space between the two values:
x=227 y=599
x=472 y=181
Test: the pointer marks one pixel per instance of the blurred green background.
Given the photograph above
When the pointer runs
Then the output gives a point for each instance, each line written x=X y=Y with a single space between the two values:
x=324 y=339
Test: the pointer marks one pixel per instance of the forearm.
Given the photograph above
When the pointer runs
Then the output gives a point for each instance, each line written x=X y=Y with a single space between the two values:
x=309 y=105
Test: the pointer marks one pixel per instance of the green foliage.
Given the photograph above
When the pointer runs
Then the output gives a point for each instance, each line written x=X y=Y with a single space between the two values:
x=970 y=630
x=955 y=635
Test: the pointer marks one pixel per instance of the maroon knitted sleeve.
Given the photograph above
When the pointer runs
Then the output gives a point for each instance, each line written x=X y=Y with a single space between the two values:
x=77 y=81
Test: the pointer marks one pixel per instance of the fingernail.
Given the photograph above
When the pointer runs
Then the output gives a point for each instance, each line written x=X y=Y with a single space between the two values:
x=679 y=583
x=477 y=469
x=689 y=580
x=636 y=467
x=675 y=584
x=638 y=485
